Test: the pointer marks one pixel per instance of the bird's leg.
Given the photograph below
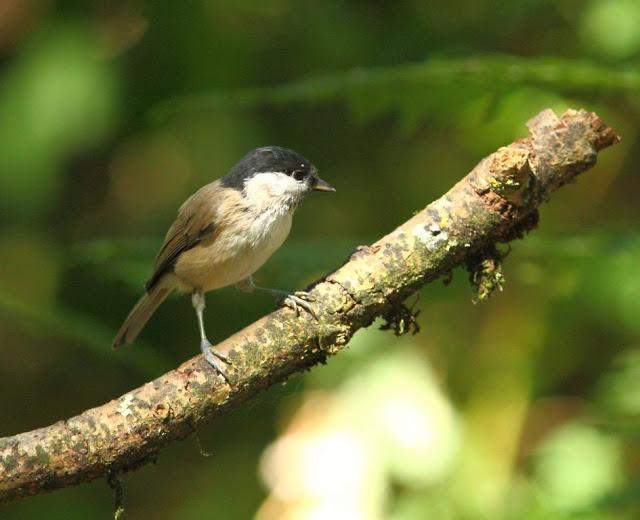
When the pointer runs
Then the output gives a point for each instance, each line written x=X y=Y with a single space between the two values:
x=209 y=353
x=295 y=300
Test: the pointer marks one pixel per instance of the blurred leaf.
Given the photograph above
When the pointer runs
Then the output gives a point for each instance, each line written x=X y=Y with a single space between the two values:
x=611 y=283
x=626 y=496
x=396 y=399
x=389 y=87
x=576 y=465
x=620 y=387
x=387 y=425
x=610 y=27
x=60 y=96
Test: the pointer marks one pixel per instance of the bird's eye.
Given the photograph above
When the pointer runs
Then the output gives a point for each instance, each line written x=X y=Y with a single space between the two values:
x=298 y=175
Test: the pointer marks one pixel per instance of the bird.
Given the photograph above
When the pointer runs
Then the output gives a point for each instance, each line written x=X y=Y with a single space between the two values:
x=224 y=233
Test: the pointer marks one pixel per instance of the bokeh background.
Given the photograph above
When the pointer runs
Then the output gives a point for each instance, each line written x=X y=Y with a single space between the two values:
x=523 y=407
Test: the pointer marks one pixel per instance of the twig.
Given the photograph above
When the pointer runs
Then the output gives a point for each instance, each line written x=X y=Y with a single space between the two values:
x=118 y=494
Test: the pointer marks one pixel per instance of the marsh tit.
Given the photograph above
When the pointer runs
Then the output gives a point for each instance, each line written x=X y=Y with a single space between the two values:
x=224 y=232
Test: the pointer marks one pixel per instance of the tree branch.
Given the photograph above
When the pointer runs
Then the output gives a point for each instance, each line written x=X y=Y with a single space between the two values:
x=496 y=202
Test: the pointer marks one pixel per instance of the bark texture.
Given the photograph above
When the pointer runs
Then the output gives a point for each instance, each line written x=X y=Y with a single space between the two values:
x=496 y=202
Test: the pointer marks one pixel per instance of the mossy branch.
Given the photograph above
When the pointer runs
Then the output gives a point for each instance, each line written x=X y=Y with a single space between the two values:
x=496 y=202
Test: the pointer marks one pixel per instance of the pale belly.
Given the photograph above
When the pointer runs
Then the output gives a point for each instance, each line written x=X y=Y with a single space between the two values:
x=232 y=256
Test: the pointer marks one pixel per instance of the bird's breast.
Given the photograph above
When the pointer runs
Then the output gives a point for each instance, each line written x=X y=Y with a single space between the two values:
x=242 y=245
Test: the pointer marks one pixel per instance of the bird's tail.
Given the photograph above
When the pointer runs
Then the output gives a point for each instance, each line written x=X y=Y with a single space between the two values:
x=140 y=314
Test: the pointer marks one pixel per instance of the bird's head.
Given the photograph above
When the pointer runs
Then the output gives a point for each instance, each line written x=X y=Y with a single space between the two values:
x=275 y=174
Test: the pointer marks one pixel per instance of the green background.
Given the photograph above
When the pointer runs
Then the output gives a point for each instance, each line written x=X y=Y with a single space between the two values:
x=523 y=407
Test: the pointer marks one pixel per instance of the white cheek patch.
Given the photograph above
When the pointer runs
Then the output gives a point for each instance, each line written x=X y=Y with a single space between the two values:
x=269 y=185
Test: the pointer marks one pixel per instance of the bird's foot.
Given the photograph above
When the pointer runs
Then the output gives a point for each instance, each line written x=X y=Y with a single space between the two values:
x=299 y=299
x=214 y=358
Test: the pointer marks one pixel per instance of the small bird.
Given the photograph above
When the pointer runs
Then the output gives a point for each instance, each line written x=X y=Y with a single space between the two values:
x=224 y=232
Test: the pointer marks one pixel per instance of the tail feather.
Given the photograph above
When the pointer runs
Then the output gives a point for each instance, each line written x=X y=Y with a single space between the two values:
x=140 y=314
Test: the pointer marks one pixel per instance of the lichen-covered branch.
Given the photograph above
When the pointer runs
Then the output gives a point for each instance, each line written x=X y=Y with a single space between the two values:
x=496 y=202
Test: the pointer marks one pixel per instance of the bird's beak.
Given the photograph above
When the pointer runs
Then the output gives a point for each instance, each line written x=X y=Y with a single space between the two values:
x=320 y=185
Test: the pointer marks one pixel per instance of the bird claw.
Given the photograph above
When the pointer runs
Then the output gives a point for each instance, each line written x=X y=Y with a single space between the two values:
x=304 y=295
x=300 y=299
x=214 y=358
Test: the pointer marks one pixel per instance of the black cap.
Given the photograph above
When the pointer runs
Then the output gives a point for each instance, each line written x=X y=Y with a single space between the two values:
x=266 y=159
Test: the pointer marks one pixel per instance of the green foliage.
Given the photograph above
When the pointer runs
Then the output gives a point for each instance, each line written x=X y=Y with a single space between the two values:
x=59 y=97
x=423 y=89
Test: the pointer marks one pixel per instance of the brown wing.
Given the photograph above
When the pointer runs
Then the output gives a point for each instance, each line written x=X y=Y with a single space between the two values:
x=195 y=221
